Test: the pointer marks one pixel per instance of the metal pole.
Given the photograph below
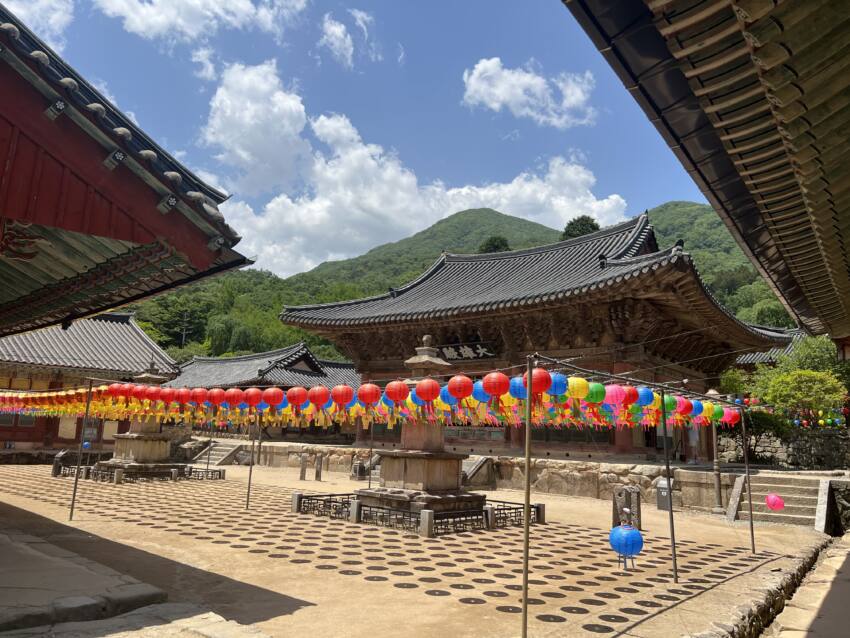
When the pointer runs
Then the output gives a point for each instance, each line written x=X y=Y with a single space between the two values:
x=718 y=497
x=209 y=445
x=747 y=471
x=669 y=489
x=371 y=453
x=251 y=465
x=80 y=452
x=526 y=506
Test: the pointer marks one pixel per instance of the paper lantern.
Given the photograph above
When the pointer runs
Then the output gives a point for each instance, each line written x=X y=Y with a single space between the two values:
x=559 y=384
x=614 y=394
x=139 y=392
x=735 y=417
x=368 y=393
x=696 y=410
x=216 y=396
x=517 y=388
x=114 y=390
x=626 y=541
x=460 y=386
x=670 y=403
x=479 y=393
x=183 y=396
x=397 y=391
x=595 y=393
x=253 y=396
x=296 y=396
x=577 y=387
x=387 y=401
x=274 y=396
x=234 y=396
x=541 y=380
x=718 y=412
x=447 y=397
x=427 y=389
x=496 y=384
x=630 y=394
x=645 y=396
x=152 y=393
x=319 y=395
x=342 y=394
x=774 y=502
x=684 y=406
x=167 y=395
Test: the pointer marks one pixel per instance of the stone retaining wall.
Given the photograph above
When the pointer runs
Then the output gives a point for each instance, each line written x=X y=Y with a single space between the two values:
x=804 y=449
x=336 y=459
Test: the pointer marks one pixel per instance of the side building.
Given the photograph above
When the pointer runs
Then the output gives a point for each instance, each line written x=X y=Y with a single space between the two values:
x=609 y=301
x=108 y=347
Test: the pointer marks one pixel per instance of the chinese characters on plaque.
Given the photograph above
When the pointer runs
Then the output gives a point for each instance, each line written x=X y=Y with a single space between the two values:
x=467 y=351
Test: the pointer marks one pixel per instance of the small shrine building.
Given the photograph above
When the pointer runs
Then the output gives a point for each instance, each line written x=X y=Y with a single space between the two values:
x=609 y=301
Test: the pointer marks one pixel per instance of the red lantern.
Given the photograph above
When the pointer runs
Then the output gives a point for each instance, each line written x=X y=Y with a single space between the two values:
x=369 y=394
x=496 y=384
x=319 y=395
x=397 y=391
x=342 y=394
x=199 y=395
x=427 y=390
x=139 y=392
x=114 y=390
x=735 y=417
x=273 y=396
x=167 y=395
x=234 y=396
x=630 y=394
x=183 y=396
x=216 y=396
x=152 y=393
x=541 y=380
x=126 y=390
x=253 y=396
x=296 y=396
x=460 y=386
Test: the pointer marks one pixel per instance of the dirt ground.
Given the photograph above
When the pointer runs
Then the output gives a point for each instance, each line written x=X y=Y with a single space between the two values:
x=289 y=574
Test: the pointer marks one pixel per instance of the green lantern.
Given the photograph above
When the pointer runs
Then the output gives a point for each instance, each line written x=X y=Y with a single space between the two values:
x=670 y=403
x=718 y=412
x=595 y=393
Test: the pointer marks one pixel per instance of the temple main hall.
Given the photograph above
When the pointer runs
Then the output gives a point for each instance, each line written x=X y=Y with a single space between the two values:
x=609 y=301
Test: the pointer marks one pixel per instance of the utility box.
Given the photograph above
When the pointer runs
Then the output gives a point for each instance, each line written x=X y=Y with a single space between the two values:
x=662 y=494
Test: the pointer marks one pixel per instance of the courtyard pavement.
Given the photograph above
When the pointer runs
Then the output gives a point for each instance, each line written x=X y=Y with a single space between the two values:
x=288 y=574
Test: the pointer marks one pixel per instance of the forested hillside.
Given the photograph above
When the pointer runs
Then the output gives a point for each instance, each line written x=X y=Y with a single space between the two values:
x=238 y=312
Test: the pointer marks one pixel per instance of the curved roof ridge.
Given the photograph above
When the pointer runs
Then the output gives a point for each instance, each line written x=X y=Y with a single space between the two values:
x=640 y=222
x=279 y=352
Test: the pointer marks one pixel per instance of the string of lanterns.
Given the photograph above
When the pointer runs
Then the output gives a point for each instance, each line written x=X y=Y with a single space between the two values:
x=496 y=399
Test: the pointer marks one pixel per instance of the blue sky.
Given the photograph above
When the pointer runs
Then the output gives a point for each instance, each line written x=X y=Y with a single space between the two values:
x=337 y=126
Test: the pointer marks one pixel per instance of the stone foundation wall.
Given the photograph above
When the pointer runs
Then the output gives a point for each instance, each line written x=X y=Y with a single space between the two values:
x=336 y=459
x=805 y=449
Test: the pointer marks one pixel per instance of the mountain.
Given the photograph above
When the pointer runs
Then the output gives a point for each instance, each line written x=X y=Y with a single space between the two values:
x=238 y=312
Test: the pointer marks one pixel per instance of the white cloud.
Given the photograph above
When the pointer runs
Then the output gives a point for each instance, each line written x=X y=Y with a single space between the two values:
x=189 y=20
x=48 y=19
x=401 y=55
x=256 y=126
x=336 y=38
x=206 y=69
x=561 y=101
x=364 y=22
x=354 y=195
x=103 y=88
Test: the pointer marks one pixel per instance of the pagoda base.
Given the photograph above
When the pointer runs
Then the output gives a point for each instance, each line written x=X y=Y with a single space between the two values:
x=415 y=500
x=142 y=454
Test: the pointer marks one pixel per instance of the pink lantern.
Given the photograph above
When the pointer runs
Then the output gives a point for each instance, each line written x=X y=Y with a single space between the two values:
x=614 y=394
x=774 y=502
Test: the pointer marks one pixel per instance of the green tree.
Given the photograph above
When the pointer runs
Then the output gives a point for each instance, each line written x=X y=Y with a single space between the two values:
x=243 y=338
x=494 y=244
x=733 y=381
x=219 y=333
x=182 y=355
x=802 y=390
x=578 y=226
x=767 y=312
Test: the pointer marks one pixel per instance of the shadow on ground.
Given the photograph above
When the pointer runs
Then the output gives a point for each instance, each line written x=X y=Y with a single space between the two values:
x=231 y=599
x=831 y=619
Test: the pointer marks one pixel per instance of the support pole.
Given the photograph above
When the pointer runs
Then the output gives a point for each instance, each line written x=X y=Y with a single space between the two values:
x=371 y=445
x=251 y=465
x=83 y=427
x=747 y=472
x=210 y=444
x=526 y=505
x=718 y=497
x=669 y=489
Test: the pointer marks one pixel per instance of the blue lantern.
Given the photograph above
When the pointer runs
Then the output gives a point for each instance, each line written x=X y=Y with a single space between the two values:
x=387 y=401
x=305 y=405
x=328 y=405
x=517 y=388
x=415 y=398
x=262 y=406
x=284 y=403
x=559 y=384
x=645 y=396
x=243 y=406
x=446 y=396
x=697 y=410
x=478 y=392
x=626 y=541
x=225 y=405
x=86 y=445
x=351 y=403
x=738 y=401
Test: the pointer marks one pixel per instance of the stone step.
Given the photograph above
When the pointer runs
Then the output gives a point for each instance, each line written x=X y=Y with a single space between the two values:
x=790 y=499
x=778 y=517
x=783 y=490
x=779 y=479
x=801 y=510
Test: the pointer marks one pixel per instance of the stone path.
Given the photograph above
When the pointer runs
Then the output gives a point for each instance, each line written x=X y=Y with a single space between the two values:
x=368 y=581
x=44 y=584
x=819 y=607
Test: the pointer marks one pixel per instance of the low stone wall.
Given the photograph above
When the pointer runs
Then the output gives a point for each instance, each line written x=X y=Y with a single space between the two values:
x=336 y=459
x=804 y=449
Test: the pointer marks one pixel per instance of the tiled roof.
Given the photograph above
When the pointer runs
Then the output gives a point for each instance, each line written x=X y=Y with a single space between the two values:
x=111 y=344
x=290 y=366
x=772 y=355
x=74 y=92
x=461 y=284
